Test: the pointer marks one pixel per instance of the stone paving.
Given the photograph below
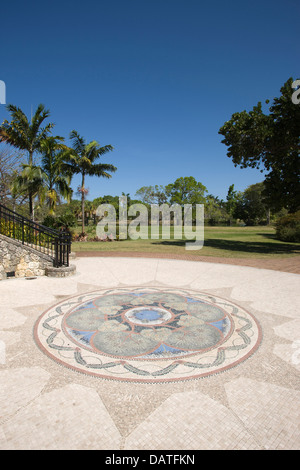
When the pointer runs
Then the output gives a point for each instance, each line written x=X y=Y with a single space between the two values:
x=253 y=406
x=288 y=264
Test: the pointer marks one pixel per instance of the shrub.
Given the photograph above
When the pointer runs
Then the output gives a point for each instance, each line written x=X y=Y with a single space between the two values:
x=288 y=228
x=66 y=221
x=24 y=233
x=49 y=221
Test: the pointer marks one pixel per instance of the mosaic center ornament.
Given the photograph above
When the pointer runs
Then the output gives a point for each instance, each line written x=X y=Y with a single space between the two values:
x=147 y=334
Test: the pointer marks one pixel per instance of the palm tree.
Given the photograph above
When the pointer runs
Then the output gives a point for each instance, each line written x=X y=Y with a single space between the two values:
x=82 y=161
x=28 y=184
x=27 y=135
x=56 y=183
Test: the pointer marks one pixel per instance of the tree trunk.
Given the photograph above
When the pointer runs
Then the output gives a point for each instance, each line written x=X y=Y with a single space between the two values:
x=31 y=208
x=82 y=202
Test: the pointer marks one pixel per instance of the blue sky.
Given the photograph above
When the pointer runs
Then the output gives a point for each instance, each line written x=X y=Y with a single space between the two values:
x=155 y=79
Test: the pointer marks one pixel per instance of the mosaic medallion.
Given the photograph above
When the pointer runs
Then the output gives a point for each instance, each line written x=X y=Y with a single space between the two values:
x=147 y=334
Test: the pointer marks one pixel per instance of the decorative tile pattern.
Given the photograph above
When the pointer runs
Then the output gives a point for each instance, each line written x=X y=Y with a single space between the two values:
x=69 y=418
x=194 y=421
x=18 y=387
x=270 y=412
x=147 y=334
x=252 y=406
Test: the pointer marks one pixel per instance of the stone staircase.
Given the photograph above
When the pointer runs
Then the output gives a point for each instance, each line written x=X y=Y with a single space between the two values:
x=29 y=249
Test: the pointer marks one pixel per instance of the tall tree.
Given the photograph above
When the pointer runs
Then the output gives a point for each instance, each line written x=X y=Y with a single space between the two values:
x=56 y=183
x=27 y=134
x=29 y=183
x=186 y=190
x=82 y=160
x=269 y=142
x=232 y=200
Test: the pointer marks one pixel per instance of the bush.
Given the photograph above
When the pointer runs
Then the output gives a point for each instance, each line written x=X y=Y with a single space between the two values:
x=49 y=221
x=66 y=221
x=24 y=233
x=288 y=228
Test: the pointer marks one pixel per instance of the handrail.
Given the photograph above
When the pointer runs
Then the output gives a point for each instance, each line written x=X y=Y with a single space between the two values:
x=55 y=244
x=22 y=217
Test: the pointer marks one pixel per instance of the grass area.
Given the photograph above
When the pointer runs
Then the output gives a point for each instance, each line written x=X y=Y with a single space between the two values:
x=229 y=242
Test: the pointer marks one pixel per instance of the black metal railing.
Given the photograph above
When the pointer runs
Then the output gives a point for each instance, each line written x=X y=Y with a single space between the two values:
x=53 y=243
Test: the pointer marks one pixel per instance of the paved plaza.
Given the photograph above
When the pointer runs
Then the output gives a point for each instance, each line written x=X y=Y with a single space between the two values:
x=136 y=353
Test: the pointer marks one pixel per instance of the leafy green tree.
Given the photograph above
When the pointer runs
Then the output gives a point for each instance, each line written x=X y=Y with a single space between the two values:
x=251 y=206
x=215 y=211
x=27 y=134
x=269 y=142
x=186 y=190
x=113 y=201
x=75 y=208
x=98 y=201
x=82 y=160
x=232 y=199
x=152 y=194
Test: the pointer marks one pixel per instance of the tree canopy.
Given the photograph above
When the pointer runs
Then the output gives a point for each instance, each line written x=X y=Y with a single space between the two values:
x=152 y=194
x=251 y=206
x=83 y=159
x=186 y=190
x=27 y=134
x=269 y=142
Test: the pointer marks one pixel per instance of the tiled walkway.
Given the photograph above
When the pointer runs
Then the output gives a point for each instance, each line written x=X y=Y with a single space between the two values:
x=288 y=264
x=255 y=405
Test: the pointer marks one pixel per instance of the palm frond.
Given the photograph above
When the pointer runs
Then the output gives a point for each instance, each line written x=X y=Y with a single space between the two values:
x=102 y=169
x=30 y=180
x=78 y=142
x=14 y=134
x=105 y=149
x=23 y=133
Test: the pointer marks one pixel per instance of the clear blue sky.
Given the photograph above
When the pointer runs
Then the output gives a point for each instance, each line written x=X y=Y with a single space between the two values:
x=155 y=79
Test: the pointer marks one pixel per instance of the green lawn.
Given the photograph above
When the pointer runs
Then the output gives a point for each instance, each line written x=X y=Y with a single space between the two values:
x=229 y=242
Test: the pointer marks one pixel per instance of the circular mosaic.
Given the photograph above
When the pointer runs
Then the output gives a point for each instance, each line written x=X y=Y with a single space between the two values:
x=147 y=334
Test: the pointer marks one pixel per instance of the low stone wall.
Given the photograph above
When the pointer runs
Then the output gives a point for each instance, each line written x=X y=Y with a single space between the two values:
x=24 y=261
x=64 y=271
